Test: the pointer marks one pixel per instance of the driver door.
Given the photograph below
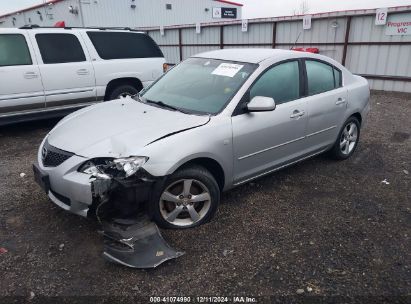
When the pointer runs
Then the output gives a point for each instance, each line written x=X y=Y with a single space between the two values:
x=263 y=141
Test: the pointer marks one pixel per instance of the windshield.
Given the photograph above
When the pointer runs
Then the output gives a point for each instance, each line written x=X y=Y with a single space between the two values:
x=200 y=85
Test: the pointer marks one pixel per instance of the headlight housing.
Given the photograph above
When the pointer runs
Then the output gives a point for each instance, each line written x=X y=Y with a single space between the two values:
x=118 y=167
x=130 y=165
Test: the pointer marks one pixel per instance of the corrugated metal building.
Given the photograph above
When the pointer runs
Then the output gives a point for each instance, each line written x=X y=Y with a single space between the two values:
x=123 y=13
x=381 y=53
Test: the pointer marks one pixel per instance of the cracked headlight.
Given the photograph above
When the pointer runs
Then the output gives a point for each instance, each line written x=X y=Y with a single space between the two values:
x=130 y=165
x=108 y=168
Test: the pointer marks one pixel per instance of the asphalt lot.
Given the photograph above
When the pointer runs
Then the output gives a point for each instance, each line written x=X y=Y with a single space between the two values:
x=330 y=228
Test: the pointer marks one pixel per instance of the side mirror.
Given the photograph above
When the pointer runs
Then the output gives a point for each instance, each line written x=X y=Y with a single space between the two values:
x=261 y=104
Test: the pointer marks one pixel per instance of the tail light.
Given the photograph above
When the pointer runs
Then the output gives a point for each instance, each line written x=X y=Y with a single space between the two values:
x=165 y=67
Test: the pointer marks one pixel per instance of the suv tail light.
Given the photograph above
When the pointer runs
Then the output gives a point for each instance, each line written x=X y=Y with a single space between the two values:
x=167 y=67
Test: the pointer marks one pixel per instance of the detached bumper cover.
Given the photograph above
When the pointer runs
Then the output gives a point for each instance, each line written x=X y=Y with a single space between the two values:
x=136 y=243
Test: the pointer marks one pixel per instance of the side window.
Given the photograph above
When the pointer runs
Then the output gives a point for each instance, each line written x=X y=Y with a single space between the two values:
x=320 y=77
x=14 y=50
x=60 y=48
x=338 y=78
x=282 y=82
x=122 y=45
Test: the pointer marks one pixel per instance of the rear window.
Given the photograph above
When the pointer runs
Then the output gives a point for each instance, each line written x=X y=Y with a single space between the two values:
x=60 y=48
x=14 y=50
x=119 y=45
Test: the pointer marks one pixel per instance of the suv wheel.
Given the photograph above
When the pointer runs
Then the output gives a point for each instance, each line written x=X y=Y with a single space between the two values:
x=347 y=139
x=188 y=198
x=122 y=91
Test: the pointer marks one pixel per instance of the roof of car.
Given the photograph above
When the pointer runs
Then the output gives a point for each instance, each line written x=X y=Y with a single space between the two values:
x=67 y=28
x=252 y=55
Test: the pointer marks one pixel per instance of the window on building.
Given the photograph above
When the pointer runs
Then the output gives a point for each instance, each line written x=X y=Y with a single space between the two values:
x=121 y=45
x=60 y=48
x=168 y=6
x=320 y=77
x=14 y=50
x=282 y=83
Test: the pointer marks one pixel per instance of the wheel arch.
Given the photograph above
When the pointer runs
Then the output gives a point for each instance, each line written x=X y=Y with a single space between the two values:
x=358 y=116
x=135 y=82
x=213 y=166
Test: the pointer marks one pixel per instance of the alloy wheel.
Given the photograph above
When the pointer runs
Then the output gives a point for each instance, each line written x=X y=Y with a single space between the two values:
x=185 y=202
x=124 y=95
x=348 y=138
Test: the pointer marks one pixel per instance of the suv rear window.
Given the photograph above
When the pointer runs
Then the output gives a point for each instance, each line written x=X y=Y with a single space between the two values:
x=60 y=48
x=119 y=45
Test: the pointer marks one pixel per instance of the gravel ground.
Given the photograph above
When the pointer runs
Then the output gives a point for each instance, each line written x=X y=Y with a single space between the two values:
x=329 y=228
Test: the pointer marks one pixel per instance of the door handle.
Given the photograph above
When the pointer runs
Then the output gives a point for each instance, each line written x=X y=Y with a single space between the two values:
x=30 y=75
x=297 y=114
x=340 y=100
x=83 y=72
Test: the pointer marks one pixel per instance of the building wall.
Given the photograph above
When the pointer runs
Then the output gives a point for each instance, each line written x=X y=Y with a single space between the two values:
x=50 y=14
x=118 y=13
x=368 y=50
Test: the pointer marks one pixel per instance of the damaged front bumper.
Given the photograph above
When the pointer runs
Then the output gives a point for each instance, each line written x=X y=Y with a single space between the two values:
x=130 y=238
x=136 y=243
x=81 y=193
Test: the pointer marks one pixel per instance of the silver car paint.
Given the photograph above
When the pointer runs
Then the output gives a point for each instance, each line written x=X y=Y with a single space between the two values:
x=246 y=146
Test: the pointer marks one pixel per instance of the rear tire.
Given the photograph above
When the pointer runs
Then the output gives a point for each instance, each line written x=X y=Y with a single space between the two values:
x=347 y=140
x=188 y=198
x=122 y=91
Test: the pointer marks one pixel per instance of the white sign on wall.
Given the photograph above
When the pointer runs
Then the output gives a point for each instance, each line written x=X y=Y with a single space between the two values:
x=244 y=25
x=217 y=12
x=307 y=22
x=381 y=16
x=398 y=24
x=198 y=28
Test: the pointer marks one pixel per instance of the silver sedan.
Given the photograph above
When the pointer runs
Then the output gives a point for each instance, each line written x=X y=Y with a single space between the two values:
x=215 y=121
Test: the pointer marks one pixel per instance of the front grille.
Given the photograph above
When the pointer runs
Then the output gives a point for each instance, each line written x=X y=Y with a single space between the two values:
x=53 y=157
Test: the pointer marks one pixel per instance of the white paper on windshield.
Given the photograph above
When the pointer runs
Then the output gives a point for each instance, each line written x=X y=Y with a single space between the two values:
x=227 y=69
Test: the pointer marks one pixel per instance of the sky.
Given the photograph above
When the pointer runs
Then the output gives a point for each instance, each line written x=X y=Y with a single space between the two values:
x=259 y=8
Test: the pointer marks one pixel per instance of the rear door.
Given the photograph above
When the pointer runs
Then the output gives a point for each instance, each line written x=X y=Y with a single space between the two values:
x=66 y=69
x=326 y=103
x=20 y=82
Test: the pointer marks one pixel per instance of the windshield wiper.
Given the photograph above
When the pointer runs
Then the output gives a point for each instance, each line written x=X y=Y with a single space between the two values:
x=164 y=105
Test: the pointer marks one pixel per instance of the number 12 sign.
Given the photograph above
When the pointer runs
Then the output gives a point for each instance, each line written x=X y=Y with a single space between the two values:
x=381 y=16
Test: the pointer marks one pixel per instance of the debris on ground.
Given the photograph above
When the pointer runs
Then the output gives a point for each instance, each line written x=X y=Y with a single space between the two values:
x=136 y=243
x=22 y=174
x=309 y=289
x=32 y=295
x=61 y=247
x=405 y=172
x=300 y=291
x=3 y=250
x=226 y=252
x=385 y=182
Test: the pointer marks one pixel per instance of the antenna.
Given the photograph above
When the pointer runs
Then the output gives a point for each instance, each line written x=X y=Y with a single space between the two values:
x=296 y=40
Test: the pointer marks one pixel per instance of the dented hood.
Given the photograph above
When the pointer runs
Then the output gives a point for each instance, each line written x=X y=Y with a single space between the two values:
x=118 y=128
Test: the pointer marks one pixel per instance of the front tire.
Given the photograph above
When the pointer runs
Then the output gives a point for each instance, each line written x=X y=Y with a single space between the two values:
x=188 y=198
x=347 y=140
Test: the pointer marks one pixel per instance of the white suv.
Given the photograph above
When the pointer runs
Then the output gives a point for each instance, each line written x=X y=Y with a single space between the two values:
x=47 y=72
